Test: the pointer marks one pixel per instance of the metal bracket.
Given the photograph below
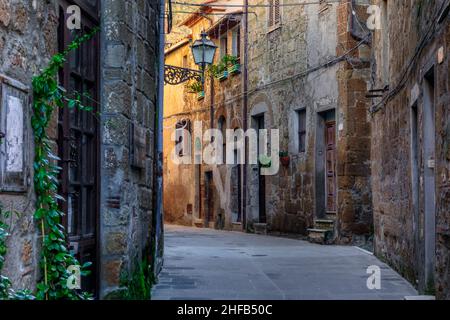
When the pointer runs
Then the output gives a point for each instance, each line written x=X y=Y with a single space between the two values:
x=176 y=75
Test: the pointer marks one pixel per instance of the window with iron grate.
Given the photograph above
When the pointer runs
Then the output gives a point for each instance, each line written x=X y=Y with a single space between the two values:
x=274 y=13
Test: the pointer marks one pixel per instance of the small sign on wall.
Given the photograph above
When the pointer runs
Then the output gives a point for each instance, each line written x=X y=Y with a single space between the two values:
x=13 y=130
x=138 y=146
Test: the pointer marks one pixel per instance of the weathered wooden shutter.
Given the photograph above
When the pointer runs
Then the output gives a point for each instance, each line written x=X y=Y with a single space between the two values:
x=277 y=13
x=271 y=11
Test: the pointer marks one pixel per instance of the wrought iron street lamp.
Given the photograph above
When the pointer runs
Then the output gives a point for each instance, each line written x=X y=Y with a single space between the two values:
x=203 y=51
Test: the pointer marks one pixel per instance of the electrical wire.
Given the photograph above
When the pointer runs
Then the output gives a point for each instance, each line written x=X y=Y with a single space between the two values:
x=252 y=5
x=305 y=73
x=408 y=71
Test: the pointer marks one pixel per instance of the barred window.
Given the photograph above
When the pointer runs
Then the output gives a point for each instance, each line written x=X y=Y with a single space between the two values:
x=274 y=13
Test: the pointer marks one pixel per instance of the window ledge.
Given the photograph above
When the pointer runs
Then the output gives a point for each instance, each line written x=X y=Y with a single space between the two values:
x=274 y=28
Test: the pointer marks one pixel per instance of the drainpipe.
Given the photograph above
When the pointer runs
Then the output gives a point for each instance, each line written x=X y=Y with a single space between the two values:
x=244 y=115
x=158 y=178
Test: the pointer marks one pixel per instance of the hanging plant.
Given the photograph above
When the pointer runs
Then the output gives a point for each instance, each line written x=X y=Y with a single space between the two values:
x=218 y=71
x=55 y=256
x=194 y=87
x=232 y=63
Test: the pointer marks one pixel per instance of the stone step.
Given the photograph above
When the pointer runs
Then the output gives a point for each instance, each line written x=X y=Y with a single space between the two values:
x=236 y=226
x=420 y=298
x=260 y=228
x=320 y=236
x=324 y=224
x=199 y=223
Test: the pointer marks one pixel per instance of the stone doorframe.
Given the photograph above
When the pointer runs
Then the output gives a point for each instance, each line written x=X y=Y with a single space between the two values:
x=260 y=106
x=322 y=116
x=429 y=173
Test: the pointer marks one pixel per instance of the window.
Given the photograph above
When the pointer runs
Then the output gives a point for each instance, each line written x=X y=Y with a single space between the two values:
x=78 y=141
x=185 y=61
x=274 y=13
x=385 y=42
x=182 y=142
x=323 y=6
x=223 y=45
x=223 y=130
x=301 y=118
x=236 y=44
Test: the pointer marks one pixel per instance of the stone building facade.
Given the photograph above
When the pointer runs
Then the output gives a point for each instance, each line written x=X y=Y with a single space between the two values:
x=410 y=142
x=364 y=122
x=108 y=161
x=207 y=195
x=300 y=75
x=308 y=74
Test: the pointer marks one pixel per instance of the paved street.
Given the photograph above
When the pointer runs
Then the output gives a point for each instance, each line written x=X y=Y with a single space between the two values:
x=207 y=264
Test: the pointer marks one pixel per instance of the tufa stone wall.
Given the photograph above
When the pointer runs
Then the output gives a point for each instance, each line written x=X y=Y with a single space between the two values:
x=287 y=74
x=398 y=176
x=275 y=54
x=129 y=80
x=27 y=41
x=355 y=220
x=188 y=181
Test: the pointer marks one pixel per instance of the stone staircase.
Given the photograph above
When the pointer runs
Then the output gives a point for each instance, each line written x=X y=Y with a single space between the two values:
x=322 y=233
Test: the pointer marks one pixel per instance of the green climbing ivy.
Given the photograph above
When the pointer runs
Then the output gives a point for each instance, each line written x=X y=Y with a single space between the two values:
x=6 y=290
x=5 y=283
x=55 y=256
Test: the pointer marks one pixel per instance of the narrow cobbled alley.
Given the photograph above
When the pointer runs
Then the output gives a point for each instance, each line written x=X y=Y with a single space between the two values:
x=205 y=264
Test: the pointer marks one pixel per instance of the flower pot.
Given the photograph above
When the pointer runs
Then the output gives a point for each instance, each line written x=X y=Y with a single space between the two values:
x=201 y=95
x=234 y=69
x=285 y=161
x=223 y=76
x=265 y=161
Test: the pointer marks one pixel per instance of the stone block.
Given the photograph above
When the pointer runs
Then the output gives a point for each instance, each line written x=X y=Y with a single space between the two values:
x=112 y=270
x=20 y=18
x=116 y=217
x=118 y=98
x=114 y=56
x=5 y=12
x=145 y=198
x=115 y=242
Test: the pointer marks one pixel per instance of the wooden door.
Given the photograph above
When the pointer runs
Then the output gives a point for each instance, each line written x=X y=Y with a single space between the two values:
x=78 y=148
x=209 y=185
x=330 y=183
x=261 y=178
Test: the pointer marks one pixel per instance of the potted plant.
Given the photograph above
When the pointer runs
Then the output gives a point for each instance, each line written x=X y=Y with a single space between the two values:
x=284 y=158
x=218 y=71
x=201 y=95
x=265 y=161
x=233 y=65
x=196 y=87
